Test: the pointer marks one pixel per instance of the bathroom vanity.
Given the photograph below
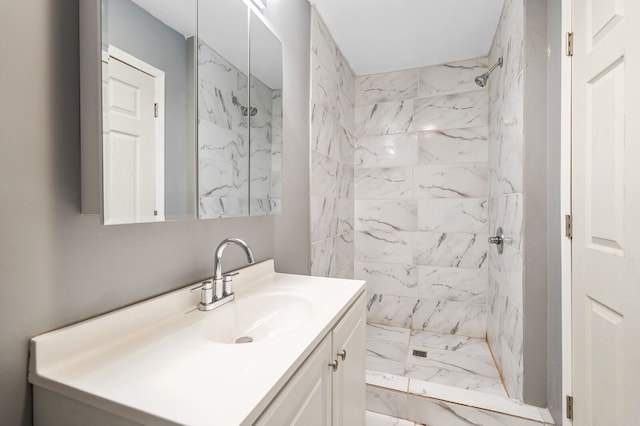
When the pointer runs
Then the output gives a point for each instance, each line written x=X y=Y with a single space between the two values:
x=164 y=362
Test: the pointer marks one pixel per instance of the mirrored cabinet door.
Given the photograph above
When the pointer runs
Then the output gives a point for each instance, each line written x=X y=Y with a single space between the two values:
x=265 y=119
x=223 y=109
x=148 y=110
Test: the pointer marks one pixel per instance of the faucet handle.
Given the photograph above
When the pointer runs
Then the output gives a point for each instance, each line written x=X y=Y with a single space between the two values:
x=227 y=280
x=204 y=285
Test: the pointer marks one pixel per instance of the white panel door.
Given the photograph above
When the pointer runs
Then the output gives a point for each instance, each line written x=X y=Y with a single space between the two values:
x=129 y=147
x=606 y=211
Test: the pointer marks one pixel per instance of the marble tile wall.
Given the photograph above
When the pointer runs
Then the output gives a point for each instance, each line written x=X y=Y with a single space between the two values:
x=421 y=188
x=506 y=197
x=332 y=156
x=224 y=152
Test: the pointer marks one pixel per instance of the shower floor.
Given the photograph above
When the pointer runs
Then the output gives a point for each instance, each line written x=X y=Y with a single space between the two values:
x=408 y=360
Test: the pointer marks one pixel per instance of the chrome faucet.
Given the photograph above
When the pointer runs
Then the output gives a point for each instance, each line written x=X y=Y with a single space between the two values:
x=220 y=291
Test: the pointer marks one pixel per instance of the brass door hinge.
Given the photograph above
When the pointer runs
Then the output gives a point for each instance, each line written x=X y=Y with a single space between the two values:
x=569 y=44
x=568 y=226
x=569 y=407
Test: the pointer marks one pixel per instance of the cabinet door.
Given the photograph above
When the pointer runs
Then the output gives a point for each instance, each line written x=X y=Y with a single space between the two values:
x=349 y=379
x=306 y=398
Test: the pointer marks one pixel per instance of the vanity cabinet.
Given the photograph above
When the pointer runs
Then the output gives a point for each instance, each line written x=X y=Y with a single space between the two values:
x=329 y=388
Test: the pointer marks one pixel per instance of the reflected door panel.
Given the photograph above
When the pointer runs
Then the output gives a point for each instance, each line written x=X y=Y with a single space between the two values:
x=129 y=149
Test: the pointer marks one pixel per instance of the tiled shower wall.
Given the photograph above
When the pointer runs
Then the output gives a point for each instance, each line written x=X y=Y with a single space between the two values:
x=506 y=197
x=332 y=146
x=421 y=197
x=223 y=141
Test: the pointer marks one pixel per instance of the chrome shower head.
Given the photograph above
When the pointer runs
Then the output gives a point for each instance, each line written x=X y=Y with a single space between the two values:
x=482 y=79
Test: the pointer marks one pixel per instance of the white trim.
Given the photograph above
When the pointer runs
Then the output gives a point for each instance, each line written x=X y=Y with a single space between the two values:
x=565 y=207
x=159 y=78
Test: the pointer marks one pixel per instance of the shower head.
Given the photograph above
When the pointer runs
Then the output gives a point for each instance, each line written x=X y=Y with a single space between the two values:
x=482 y=79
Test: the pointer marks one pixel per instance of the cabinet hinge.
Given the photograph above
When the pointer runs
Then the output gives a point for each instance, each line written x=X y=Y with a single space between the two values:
x=155 y=110
x=569 y=44
x=569 y=407
x=568 y=226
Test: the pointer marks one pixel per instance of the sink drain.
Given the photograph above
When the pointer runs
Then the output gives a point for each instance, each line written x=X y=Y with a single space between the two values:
x=244 y=339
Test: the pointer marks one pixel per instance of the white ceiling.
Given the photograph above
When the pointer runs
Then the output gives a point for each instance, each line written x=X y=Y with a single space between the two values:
x=385 y=35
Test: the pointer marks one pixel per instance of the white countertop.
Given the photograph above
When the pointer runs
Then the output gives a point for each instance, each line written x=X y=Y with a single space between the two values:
x=153 y=363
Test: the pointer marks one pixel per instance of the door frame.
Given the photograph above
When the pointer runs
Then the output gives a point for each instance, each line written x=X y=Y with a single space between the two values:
x=565 y=206
x=159 y=79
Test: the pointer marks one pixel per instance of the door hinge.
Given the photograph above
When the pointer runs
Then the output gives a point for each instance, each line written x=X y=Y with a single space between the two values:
x=155 y=212
x=569 y=44
x=155 y=110
x=568 y=226
x=569 y=407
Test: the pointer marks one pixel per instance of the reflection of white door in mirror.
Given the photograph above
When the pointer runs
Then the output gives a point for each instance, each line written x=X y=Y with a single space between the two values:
x=133 y=139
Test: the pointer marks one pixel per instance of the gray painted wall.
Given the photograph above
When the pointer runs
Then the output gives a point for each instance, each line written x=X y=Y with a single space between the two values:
x=554 y=213
x=134 y=30
x=535 y=205
x=58 y=266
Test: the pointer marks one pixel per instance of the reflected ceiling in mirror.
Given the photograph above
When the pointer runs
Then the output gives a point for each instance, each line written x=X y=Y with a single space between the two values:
x=148 y=110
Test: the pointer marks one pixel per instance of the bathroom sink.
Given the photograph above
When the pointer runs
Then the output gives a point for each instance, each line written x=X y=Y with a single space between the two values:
x=257 y=317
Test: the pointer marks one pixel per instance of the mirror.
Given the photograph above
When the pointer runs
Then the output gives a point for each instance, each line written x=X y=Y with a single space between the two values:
x=265 y=119
x=223 y=109
x=191 y=119
x=148 y=110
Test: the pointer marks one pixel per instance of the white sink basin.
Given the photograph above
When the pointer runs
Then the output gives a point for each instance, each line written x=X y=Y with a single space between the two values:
x=258 y=317
x=162 y=361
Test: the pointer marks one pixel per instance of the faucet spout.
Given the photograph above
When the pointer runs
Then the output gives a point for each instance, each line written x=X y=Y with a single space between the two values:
x=220 y=250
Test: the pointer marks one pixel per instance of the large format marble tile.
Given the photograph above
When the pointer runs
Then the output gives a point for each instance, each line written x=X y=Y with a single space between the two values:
x=394 y=351
x=389 y=333
x=221 y=144
x=383 y=118
x=390 y=310
x=385 y=215
x=384 y=247
x=394 y=182
x=507 y=212
x=345 y=212
x=450 y=249
x=453 y=361
x=388 y=278
x=467 y=285
x=474 y=382
x=324 y=175
x=222 y=179
x=454 y=146
x=449 y=342
x=453 y=215
x=451 y=181
x=391 y=403
x=384 y=366
x=456 y=111
x=387 y=151
x=450 y=317
x=437 y=412
x=322 y=43
x=215 y=207
x=374 y=88
x=322 y=258
x=324 y=88
x=387 y=380
x=324 y=132
x=377 y=419
x=454 y=77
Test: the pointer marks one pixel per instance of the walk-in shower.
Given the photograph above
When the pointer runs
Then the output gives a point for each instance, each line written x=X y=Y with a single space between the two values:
x=481 y=80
